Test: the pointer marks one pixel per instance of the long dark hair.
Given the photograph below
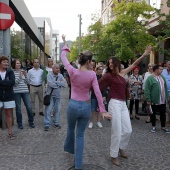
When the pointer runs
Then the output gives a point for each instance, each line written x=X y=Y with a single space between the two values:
x=116 y=64
x=85 y=56
x=26 y=62
x=13 y=64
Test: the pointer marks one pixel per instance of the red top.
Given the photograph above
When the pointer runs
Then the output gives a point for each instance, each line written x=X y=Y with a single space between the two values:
x=117 y=86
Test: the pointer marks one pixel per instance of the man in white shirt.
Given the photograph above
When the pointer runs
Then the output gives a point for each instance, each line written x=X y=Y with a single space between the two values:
x=35 y=78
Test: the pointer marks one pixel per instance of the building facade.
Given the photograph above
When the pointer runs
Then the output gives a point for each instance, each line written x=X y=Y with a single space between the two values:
x=26 y=40
x=164 y=5
x=55 y=46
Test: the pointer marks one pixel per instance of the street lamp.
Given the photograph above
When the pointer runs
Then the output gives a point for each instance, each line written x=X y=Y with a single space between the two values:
x=80 y=32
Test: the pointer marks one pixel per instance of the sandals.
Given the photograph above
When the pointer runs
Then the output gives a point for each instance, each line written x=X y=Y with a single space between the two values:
x=11 y=136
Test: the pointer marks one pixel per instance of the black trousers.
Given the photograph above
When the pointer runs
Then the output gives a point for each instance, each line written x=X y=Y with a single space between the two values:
x=136 y=106
x=162 y=111
x=69 y=91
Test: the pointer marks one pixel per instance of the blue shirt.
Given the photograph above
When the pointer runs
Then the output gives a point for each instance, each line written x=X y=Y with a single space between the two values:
x=167 y=78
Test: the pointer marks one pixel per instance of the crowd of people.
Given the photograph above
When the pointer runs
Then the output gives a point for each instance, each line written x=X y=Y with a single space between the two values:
x=26 y=83
x=94 y=88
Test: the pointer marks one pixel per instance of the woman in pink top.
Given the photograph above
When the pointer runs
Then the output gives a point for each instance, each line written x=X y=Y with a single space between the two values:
x=79 y=107
x=121 y=126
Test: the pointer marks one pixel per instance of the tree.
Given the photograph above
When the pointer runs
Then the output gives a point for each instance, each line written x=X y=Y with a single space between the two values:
x=74 y=50
x=127 y=32
x=91 y=41
x=15 y=44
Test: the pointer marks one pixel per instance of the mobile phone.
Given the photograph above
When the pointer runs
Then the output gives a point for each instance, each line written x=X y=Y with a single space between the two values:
x=24 y=68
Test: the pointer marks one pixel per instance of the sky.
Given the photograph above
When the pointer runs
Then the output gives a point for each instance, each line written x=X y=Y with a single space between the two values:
x=64 y=14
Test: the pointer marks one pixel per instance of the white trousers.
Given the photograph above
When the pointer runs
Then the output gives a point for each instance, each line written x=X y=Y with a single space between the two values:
x=121 y=126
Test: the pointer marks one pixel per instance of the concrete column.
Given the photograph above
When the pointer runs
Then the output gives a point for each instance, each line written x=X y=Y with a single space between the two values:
x=5 y=42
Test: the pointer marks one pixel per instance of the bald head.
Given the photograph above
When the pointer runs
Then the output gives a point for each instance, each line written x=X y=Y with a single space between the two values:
x=55 y=65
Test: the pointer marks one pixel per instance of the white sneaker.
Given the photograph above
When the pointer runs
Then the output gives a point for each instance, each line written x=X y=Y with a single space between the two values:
x=90 y=125
x=99 y=125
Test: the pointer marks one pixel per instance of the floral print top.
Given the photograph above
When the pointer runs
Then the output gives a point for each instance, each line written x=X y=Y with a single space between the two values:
x=135 y=88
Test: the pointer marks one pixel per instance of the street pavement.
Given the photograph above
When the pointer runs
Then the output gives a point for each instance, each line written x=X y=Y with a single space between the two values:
x=36 y=149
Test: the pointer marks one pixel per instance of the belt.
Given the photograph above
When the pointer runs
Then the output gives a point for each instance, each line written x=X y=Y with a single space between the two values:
x=36 y=85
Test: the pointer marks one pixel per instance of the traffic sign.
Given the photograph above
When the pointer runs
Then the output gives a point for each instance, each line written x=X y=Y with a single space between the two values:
x=7 y=16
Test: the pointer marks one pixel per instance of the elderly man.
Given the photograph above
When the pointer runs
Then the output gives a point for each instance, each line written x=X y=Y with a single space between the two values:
x=156 y=94
x=166 y=74
x=55 y=81
x=35 y=78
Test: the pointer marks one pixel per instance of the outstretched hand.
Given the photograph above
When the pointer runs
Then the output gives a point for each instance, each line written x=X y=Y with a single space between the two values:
x=147 y=51
x=107 y=115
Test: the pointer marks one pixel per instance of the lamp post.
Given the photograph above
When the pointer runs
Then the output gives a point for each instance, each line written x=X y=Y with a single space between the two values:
x=80 y=32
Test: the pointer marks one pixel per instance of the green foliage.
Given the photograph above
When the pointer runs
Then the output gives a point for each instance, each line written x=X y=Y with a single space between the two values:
x=15 y=44
x=74 y=51
x=128 y=32
x=123 y=37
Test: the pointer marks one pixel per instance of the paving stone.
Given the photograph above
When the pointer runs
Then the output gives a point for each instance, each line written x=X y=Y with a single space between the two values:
x=36 y=149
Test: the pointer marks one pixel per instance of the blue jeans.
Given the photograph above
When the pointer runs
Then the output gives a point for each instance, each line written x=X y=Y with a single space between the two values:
x=54 y=104
x=94 y=105
x=27 y=102
x=78 y=114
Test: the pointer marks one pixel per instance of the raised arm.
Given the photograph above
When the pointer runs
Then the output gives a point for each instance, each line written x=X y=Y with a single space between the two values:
x=145 y=54
x=64 y=59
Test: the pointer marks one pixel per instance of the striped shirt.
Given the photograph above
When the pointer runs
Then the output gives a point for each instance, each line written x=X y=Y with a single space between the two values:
x=161 y=84
x=20 y=83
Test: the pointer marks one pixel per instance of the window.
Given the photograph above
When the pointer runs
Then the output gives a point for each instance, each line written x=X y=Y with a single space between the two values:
x=155 y=3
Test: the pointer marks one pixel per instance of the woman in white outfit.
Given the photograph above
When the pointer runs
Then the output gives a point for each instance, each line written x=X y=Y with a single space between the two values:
x=121 y=125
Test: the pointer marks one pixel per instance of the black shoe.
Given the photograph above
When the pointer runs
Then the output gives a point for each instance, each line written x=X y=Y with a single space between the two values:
x=57 y=126
x=137 y=117
x=20 y=127
x=46 y=128
x=165 y=130
x=32 y=125
x=147 y=121
x=41 y=113
x=33 y=114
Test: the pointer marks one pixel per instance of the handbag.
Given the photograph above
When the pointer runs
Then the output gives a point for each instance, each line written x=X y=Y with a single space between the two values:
x=46 y=100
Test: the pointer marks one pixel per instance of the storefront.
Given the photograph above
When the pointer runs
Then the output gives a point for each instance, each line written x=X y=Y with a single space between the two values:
x=26 y=40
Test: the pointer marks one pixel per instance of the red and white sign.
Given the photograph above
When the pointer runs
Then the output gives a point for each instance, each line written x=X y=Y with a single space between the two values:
x=7 y=16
